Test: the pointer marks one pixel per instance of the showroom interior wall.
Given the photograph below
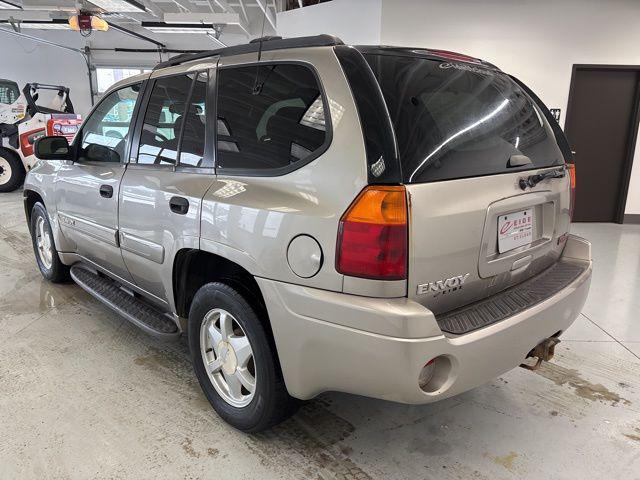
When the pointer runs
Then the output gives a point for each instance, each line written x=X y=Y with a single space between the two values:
x=24 y=61
x=354 y=21
x=545 y=39
x=538 y=40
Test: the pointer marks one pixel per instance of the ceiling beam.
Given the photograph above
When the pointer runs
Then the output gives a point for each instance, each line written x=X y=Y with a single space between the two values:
x=267 y=11
x=153 y=8
x=223 y=5
x=22 y=15
x=209 y=19
x=59 y=6
x=131 y=31
x=244 y=11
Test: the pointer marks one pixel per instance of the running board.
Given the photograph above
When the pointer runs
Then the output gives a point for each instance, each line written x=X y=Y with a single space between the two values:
x=141 y=314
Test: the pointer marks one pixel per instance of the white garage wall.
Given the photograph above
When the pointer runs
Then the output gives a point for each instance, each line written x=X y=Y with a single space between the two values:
x=354 y=21
x=24 y=61
x=536 y=40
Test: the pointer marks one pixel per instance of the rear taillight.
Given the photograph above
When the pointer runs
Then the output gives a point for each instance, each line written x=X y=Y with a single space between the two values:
x=571 y=167
x=372 y=236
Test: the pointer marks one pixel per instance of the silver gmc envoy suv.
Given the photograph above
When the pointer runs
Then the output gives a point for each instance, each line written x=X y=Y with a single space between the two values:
x=383 y=221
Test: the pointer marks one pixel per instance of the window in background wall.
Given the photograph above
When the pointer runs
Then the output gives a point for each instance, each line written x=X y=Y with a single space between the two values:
x=285 y=5
x=107 y=76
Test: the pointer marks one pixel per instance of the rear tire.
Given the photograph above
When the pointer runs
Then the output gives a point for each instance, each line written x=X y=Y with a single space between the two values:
x=12 y=171
x=44 y=247
x=265 y=401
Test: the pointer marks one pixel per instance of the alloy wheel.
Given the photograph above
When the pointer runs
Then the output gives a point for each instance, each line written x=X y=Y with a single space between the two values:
x=43 y=243
x=228 y=357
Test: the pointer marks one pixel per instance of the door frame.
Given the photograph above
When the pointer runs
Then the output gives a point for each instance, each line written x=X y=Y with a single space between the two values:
x=635 y=122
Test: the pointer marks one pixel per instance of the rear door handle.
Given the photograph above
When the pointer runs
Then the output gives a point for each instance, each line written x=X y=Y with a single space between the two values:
x=179 y=205
x=106 y=191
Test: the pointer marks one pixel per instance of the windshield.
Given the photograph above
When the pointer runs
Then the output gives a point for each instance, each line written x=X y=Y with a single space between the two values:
x=458 y=120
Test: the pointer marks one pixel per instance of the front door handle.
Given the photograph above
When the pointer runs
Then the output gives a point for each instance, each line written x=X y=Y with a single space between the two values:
x=179 y=205
x=106 y=191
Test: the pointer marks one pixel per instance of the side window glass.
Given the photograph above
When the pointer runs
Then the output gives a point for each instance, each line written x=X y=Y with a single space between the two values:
x=105 y=132
x=163 y=119
x=268 y=121
x=193 y=134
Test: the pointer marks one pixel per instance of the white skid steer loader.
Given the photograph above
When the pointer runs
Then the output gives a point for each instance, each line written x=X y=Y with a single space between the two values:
x=23 y=121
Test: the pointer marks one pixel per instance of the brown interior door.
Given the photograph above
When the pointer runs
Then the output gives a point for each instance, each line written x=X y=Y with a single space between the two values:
x=601 y=127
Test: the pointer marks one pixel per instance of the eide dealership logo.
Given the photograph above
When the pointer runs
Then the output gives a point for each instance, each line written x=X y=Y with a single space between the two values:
x=441 y=285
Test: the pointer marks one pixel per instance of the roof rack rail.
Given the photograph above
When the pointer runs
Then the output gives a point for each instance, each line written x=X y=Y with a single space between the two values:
x=268 y=44
x=267 y=38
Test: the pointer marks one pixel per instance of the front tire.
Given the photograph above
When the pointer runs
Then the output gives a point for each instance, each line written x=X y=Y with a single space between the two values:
x=12 y=171
x=235 y=362
x=44 y=247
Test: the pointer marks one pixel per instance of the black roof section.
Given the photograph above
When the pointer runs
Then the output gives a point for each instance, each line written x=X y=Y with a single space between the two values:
x=433 y=54
x=267 y=43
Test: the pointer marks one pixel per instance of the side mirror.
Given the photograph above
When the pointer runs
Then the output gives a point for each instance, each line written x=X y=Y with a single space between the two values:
x=52 y=148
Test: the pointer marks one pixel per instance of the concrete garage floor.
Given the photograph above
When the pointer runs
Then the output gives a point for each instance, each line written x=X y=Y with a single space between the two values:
x=85 y=395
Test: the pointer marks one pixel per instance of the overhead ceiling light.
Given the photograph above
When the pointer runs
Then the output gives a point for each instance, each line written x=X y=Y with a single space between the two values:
x=9 y=6
x=160 y=27
x=55 y=24
x=119 y=5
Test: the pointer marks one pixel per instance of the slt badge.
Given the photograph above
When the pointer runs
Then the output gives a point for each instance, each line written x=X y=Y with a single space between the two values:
x=441 y=285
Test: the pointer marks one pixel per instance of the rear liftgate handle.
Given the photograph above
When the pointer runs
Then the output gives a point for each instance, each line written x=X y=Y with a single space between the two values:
x=179 y=205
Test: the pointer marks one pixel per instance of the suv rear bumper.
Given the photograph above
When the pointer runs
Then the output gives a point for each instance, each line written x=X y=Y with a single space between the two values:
x=329 y=341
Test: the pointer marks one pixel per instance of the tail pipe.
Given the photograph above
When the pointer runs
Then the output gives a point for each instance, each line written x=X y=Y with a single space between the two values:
x=543 y=352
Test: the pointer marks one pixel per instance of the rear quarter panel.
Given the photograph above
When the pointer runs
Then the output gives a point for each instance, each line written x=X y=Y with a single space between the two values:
x=252 y=220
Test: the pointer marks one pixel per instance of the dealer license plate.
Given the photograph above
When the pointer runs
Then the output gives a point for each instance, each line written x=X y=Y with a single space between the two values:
x=515 y=230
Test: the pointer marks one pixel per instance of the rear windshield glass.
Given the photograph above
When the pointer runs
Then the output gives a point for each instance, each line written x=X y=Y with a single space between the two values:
x=456 y=120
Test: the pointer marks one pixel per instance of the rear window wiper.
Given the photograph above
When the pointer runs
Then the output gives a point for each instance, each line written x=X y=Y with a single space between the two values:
x=532 y=180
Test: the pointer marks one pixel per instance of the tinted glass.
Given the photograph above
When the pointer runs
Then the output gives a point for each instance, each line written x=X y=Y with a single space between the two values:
x=163 y=120
x=456 y=120
x=9 y=92
x=193 y=135
x=382 y=158
x=269 y=117
x=105 y=132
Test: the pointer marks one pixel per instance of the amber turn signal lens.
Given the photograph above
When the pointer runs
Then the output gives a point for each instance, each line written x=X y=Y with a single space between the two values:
x=386 y=205
x=572 y=174
x=571 y=167
x=373 y=235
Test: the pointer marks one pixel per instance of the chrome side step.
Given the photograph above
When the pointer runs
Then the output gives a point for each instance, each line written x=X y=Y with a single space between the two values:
x=138 y=312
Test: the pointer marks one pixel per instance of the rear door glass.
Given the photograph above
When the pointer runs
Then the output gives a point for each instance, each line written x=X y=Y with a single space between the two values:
x=457 y=120
x=163 y=120
x=271 y=118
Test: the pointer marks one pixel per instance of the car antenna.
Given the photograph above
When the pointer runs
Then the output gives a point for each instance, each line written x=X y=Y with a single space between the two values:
x=257 y=88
